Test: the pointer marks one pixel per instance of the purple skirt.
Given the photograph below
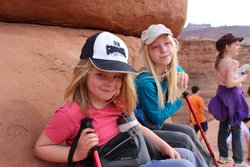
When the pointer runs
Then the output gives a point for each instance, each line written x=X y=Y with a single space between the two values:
x=229 y=102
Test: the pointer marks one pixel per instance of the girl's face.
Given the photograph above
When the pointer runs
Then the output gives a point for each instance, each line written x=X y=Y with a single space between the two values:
x=103 y=86
x=234 y=48
x=161 y=51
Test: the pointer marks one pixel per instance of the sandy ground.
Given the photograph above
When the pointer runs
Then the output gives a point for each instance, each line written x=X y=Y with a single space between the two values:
x=212 y=140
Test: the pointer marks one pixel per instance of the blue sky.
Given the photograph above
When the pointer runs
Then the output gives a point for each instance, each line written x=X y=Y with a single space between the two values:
x=218 y=12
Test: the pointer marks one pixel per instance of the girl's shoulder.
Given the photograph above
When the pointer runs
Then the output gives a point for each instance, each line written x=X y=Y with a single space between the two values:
x=227 y=63
x=71 y=110
x=144 y=77
x=144 y=73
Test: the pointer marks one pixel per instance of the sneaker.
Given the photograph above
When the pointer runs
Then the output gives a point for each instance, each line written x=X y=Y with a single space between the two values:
x=243 y=164
x=224 y=160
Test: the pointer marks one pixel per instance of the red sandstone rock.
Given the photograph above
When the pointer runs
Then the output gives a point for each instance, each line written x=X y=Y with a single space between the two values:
x=127 y=17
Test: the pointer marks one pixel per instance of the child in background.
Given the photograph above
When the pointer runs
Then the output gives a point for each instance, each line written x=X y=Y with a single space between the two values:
x=244 y=134
x=229 y=106
x=199 y=107
x=102 y=88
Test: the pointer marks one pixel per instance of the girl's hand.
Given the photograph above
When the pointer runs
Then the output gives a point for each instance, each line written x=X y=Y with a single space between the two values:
x=244 y=77
x=169 y=151
x=164 y=148
x=87 y=140
x=182 y=83
x=182 y=80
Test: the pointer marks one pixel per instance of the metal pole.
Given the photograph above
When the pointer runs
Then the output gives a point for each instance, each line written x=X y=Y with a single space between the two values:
x=185 y=95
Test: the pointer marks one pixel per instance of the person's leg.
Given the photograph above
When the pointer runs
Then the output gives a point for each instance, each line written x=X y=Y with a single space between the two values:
x=184 y=153
x=196 y=128
x=168 y=163
x=202 y=151
x=204 y=127
x=189 y=155
x=179 y=140
x=222 y=138
x=237 y=144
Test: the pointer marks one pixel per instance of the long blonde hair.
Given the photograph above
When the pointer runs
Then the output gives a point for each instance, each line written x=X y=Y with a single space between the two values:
x=77 y=90
x=170 y=72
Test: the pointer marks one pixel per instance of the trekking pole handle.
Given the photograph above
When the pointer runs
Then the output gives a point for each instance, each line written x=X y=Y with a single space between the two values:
x=185 y=94
x=87 y=123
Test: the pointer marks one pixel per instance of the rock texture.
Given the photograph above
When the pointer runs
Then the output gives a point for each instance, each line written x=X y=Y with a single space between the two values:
x=128 y=17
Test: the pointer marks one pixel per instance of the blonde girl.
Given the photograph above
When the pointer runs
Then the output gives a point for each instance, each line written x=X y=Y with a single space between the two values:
x=159 y=87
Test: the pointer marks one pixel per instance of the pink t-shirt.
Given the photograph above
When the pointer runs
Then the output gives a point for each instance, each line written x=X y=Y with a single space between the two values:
x=223 y=66
x=65 y=124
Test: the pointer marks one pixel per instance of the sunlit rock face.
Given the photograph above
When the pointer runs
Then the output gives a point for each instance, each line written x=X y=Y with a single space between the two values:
x=128 y=17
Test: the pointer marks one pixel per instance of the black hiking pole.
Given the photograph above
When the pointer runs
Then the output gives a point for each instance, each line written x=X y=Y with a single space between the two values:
x=87 y=123
x=185 y=95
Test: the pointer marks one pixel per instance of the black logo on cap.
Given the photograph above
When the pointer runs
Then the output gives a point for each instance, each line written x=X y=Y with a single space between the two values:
x=115 y=49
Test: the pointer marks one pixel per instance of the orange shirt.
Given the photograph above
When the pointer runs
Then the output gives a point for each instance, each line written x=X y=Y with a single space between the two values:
x=197 y=103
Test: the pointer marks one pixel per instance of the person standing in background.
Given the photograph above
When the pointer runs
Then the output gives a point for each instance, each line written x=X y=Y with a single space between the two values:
x=199 y=108
x=229 y=106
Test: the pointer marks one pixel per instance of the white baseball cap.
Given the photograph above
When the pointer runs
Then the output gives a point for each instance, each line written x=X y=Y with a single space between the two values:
x=148 y=36
x=107 y=52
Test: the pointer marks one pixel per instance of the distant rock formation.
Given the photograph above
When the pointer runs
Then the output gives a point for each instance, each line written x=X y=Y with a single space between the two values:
x=128 y=17
x=206 y=31
x=196 y=26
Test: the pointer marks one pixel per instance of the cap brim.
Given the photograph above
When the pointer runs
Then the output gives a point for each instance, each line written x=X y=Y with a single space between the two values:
x=237 y=39
x=113 y=66
x=240 y=38
x=152 y=38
